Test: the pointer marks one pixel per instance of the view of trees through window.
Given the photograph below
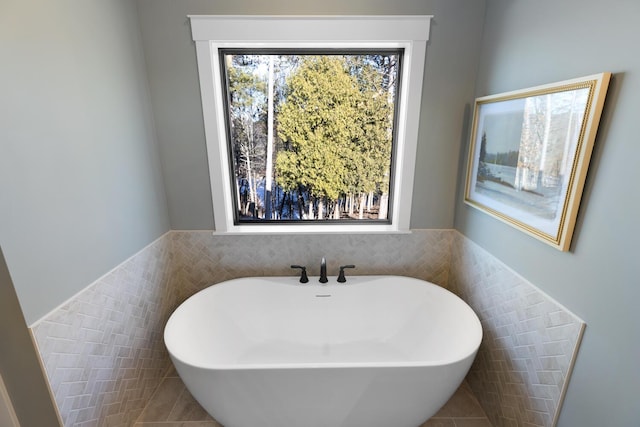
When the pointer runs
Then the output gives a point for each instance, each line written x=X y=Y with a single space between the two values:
x=311 y=135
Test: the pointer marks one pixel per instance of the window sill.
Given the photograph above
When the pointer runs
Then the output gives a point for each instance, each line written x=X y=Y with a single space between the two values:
x=345 y=229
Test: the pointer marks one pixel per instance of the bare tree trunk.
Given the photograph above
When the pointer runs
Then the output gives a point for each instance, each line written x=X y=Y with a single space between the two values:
x=255 y=192
x=300 y=202
x=545 y=139
x=238 y=199
x=569 y=137
x=282 y=203
x=351 y=203
x=250 y=180
x=384 y=207
x=247 y=155
x=268 y=173
x=363 y=197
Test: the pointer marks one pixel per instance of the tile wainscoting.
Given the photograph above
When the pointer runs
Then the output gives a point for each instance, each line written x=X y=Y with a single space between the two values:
x=103 y=350
x=104 y=355
x=529 y=344
x=203 y=259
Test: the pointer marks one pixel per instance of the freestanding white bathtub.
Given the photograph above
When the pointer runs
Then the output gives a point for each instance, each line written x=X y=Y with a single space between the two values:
x=383 y=351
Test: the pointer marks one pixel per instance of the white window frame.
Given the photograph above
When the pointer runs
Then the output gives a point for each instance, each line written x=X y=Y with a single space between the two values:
x=213 y=32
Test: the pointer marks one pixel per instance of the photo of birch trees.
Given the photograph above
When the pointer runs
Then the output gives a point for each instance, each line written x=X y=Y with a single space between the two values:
x=311 y=135
x=527 y=154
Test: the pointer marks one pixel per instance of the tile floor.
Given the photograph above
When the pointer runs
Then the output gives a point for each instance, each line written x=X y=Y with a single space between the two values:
x=173 y=406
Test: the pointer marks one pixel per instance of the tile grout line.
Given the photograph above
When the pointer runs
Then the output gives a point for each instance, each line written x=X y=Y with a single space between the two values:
x=151 y=399
x=178 y=399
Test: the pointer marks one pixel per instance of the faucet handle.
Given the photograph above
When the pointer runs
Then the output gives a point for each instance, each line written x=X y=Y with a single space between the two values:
x=303 y=275
x=341 y=277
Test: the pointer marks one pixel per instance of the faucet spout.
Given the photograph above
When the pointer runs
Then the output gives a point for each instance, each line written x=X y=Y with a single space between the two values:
x=323 y=271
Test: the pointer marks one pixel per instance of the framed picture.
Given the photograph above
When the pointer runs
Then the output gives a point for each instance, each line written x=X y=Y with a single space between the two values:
x=529 y=155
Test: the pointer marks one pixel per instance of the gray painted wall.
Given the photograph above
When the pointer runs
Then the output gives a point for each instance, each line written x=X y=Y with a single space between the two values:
x=80 y=182
x=452 y=56
x=529 y=43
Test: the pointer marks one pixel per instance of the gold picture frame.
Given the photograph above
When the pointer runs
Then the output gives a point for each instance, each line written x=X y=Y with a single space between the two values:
x=529 y=154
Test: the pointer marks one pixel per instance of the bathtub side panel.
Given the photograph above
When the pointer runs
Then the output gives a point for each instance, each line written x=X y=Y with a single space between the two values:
x=320 y=397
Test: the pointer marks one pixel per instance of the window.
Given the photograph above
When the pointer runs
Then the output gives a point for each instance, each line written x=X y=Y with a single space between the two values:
x=310 y=135
x=311 y=122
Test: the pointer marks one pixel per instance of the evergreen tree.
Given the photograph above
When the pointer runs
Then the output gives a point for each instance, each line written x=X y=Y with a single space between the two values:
x=317 y=122
x=335 y=124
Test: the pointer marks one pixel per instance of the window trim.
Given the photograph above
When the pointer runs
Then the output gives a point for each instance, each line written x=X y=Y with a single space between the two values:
x=213 y=32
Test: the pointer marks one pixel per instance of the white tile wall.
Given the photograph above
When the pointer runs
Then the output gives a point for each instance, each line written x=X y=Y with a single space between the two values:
x=203 y=259
x=103 y=351
x=522 y=368
x=104 y=354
